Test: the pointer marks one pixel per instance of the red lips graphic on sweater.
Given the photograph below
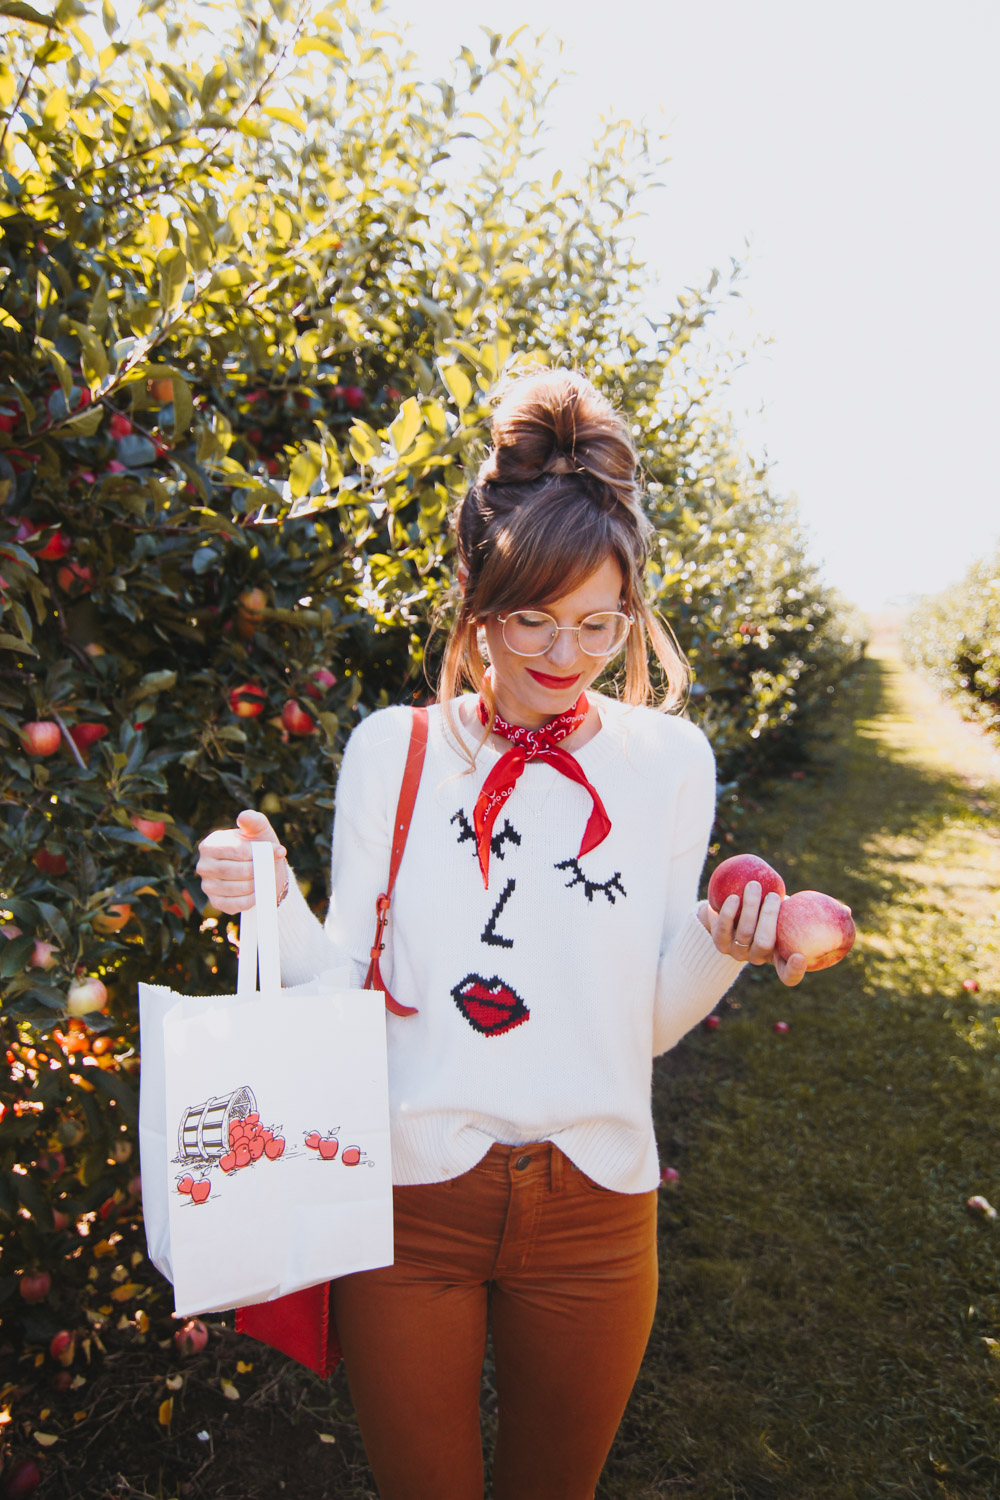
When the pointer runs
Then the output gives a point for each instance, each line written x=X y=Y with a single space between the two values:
x=489 y=1005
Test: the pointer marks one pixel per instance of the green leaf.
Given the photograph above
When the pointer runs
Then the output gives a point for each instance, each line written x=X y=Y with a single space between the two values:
x=183 y=406
x=22 y=12
x=363 y=443
x=302 y=475
x=406 y=425
x=171 y=263
x=84 y=423
x=458 y=384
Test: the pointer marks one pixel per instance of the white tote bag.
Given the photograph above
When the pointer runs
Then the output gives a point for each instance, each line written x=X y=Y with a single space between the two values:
x=263 y=1128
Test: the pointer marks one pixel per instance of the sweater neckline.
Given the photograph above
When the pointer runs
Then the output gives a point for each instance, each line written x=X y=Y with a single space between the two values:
x=595 y=753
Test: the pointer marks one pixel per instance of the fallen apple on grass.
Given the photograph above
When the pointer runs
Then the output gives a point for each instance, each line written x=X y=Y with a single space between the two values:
x=711 y=1023
x=34 y=1286
x=977 y=1204
x=63 y=1347
x=818 y=926
x=192 y=1338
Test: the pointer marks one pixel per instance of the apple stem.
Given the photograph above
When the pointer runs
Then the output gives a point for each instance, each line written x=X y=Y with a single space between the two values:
x=70 y=742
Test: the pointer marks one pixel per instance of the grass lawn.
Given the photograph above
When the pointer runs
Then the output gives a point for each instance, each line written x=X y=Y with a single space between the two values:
x=829 y=1320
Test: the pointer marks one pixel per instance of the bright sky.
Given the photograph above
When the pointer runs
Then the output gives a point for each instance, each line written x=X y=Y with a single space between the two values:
x=855 y=146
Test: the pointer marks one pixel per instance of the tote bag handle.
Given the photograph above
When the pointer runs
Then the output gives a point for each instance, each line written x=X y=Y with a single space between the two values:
x=259 y=927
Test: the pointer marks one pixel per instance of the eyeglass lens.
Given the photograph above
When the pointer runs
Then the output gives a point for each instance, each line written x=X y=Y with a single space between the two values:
x=531 y=633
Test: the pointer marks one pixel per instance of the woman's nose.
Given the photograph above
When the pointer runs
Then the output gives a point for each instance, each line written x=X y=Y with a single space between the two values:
x=564 y=649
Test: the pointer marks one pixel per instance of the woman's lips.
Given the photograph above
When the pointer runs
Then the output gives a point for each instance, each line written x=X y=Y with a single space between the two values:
x=553 y=682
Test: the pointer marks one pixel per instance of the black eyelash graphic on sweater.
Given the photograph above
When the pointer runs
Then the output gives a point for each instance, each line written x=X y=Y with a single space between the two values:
x=608 y=887
x=507 y=834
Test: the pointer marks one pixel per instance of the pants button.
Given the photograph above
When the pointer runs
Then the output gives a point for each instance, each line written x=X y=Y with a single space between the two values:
x=522 y=1162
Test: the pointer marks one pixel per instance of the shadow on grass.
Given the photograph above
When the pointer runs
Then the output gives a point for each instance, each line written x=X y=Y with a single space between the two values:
x=827 y=1300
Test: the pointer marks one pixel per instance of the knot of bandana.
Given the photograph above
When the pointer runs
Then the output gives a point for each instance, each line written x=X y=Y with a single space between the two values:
x=531 y=744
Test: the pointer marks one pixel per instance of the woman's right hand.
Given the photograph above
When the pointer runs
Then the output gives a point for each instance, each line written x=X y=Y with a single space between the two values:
x=225 y=864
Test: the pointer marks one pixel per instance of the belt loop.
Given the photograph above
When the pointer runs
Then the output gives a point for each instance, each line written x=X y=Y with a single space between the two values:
x=556 y=1164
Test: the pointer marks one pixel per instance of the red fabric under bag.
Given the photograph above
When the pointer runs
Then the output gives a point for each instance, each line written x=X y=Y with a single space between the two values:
x=301 y=1325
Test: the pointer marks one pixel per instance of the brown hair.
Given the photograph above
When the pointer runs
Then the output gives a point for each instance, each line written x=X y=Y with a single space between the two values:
x=554 y=498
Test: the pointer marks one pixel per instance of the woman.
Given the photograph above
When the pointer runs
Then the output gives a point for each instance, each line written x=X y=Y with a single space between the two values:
x=546 y=929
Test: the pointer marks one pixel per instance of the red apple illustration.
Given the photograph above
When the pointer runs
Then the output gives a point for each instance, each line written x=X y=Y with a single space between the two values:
x=328 y=1149
x=200 y=1190
x=351 y=1156
x=256 y=1148
x=274 y=1147
x=186 y=1184
x=815 y=925
x=228 y=1162
x=312 y=1140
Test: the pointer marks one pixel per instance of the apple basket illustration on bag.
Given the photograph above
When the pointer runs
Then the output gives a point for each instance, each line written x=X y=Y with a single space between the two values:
x=226 y=1131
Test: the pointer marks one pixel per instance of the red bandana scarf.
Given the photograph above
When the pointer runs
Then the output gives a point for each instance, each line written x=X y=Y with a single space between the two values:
x=529 y=744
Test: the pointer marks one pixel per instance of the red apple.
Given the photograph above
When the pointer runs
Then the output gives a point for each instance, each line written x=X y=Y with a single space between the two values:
x=312 y=1140
x=711 y=1023
x=41 y=737
x=780 y=1027
x=319 y=684
x=247 y=700
x=730 y=878
x=200 y=1190
x=815 y=925
x=63 y=1346
x=119 y=426
x=350 y=1156
x=86 y=995
x=669 y=1177
x=328 y=1149
x=971 y=985
x=49 y=863
x=186 y=1183
x=35 y=1286
x=113 y=918
x=161 y=389
x=42 y=955
x=153 y=828
x=295 y=719
x=274 y=1147
x=252 y=602
x=85 y=735
x=75 y=573
x=228 y=1162
x=242 y=1153
x=56 y=547
x=256 y=1148
x=192 y=1338
x=22 y=1479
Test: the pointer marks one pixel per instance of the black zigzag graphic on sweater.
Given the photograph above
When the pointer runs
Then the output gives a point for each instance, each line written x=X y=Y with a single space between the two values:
x=608 y=887
x=489 y=933
x=507 y=835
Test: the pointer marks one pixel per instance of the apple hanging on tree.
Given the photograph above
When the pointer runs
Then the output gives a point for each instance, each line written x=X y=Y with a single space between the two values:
x=41 y=737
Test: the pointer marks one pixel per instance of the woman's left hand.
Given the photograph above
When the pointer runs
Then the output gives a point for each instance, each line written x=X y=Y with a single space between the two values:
x=751 y=938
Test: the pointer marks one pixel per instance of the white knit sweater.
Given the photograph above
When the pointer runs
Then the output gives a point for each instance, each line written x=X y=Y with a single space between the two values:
x=542 y=1000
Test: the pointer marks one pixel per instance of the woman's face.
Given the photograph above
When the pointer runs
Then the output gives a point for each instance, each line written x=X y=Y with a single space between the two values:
x=530 y=690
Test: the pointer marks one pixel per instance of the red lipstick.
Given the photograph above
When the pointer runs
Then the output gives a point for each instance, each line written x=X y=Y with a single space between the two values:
x=553 y=682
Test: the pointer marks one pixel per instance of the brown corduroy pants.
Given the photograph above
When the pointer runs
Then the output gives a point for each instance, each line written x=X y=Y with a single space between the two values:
x=563 y=1272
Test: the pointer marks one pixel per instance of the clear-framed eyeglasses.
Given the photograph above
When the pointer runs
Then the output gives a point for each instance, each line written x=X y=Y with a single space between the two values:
x=531 y=632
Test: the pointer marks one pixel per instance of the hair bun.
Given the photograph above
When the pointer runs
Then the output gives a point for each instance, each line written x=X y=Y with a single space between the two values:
x=555 y=422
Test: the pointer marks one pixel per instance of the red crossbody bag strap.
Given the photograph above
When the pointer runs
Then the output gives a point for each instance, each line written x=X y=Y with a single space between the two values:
x=401 y=827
